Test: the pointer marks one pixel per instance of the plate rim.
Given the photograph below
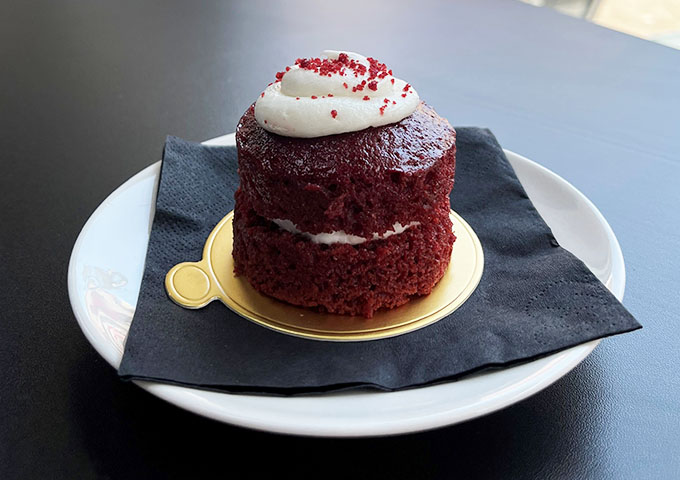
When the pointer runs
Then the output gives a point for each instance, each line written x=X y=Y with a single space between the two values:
x=186 y=398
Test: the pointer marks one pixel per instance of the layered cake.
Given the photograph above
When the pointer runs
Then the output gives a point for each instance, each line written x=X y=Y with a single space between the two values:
x=345 y=179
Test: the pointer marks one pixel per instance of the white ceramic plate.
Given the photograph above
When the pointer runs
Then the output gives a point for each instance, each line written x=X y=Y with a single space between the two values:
x=105 y=273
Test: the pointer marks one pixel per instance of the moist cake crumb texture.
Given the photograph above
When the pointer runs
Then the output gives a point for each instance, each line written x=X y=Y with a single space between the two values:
x=340 y=278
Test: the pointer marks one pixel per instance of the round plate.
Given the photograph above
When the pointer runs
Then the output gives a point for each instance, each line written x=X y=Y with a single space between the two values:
x=195 y=284
x=105 y=273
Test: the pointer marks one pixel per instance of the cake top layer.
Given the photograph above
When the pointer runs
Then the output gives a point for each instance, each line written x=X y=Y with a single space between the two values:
x=344 y=92
x=413 y=144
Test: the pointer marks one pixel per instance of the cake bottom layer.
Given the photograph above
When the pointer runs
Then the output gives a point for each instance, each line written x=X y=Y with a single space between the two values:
x=340 y=278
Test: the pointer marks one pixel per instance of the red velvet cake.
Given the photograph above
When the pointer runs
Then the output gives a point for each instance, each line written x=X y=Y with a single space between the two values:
x=344 y=216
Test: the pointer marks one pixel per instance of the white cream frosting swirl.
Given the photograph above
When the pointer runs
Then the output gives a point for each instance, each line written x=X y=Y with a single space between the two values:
x=311 y=102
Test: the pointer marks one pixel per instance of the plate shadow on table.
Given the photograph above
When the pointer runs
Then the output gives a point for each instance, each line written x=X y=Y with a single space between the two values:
x=131 y=434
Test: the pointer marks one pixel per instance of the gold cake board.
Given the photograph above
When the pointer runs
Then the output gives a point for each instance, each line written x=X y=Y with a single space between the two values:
x=195 y=284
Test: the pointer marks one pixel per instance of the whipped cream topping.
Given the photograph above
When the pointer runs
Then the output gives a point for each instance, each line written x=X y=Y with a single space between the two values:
x=341 y=236
x=346 y=92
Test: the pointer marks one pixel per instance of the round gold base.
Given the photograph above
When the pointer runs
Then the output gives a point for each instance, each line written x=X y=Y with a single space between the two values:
x=195 y=284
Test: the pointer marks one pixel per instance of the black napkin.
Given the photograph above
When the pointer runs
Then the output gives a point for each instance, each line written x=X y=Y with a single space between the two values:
x=534 y=297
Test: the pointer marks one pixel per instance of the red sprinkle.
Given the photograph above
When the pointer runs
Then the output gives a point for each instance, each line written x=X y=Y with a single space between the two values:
x=366 y=97
x=407 y=87
x=343 y=65
x=392 y=80
x=345 y=85
x=330 y=94
x=325 y=67
x=393 y=102
x=387 y=100
x=297 y=98
x=334 y=113
x=314 y=97
x=382 y=110
x=373 y=85
x=403 y=95
x=376 y=69
x=262 y=94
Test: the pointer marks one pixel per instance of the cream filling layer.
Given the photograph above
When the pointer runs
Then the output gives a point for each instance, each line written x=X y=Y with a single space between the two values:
x=341 y=236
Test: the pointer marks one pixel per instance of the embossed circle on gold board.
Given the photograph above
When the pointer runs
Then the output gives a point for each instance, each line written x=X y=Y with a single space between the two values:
x=195 y=284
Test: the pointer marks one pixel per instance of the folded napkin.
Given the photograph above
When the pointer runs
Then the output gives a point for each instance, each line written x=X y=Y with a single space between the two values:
x=534 y=298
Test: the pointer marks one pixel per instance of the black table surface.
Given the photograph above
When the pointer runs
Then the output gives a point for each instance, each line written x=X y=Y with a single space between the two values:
x=88 y=92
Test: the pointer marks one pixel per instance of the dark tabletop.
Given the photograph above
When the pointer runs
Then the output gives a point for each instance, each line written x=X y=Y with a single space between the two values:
x=88 y=92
